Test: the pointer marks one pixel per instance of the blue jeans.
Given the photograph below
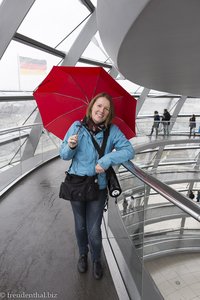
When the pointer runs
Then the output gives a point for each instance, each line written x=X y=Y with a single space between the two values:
x=88 y=217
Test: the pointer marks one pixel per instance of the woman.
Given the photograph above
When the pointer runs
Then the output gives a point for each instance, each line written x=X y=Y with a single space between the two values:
x=85 y=161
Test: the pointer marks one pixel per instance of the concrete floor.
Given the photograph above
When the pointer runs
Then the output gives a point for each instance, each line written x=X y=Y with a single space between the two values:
x=38 y=251
x=177 y=276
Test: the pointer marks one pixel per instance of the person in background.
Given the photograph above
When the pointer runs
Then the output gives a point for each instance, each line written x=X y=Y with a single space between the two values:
x=192 y=124
x=155 y=123
x=131 y=203
x=166 y=121
x=198 y=196
x=85 y=160
x=125 y=205
x=191 y=194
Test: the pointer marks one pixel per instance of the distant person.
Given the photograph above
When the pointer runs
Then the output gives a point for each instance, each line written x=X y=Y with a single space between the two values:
x=155 y=123
x=192 y=124
x=125 y=205
x=191 y=194
x=131 y=203
x=166 y=121
x=198 y=196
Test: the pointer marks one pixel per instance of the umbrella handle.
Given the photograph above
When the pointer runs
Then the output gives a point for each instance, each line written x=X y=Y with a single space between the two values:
x=80 y=126
x=73 y=142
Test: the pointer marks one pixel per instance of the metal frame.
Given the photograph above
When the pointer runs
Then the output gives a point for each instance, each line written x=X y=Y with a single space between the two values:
x=10 y=25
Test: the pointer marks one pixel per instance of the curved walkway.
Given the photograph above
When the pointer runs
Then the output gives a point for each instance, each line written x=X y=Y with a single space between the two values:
x=38 y=252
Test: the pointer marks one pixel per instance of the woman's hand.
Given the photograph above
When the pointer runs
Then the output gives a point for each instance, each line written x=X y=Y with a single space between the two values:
x=99 y=169
x=73 y=141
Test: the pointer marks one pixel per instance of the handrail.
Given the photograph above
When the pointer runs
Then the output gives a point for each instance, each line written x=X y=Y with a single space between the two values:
x=17 y=128
x=166 y=191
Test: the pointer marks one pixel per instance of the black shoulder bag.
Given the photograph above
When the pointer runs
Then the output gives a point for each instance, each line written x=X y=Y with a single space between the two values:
x=79 y=188
x=113 y=183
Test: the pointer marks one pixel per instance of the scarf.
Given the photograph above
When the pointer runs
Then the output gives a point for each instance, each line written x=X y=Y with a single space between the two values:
x=93 y=127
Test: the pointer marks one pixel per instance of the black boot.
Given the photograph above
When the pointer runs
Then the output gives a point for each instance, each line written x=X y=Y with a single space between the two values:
x=82 y=264
x=97 y=270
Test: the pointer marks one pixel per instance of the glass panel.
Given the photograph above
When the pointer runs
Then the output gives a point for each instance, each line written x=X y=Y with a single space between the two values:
x=158 y=93
x=15 y=93
x=10 y=157
x=129 y=86
x=10 y=153
x=18 y=157
x=126 y=210
x=96 y=51
x=16 y=75
x=191 y=106
x=178 y=155
x=94 y=2
x=13 y=114
x=181 y=157
x=145 y=159
x=93 y=52
x=197 y=185
x=68 y=40
x=181 y=125
x=79 y=64
x=158 y=104
x=49 y=23
x=158 y=231
x=48 y=142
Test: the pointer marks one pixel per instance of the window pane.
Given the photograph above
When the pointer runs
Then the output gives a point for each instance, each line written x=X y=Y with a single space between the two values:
x=152 y=104
x=94 y=2
x=96 y=51
x=16 y=76
x=50 y=21
x=68 y=40
x=13 y=114
x=191 y=106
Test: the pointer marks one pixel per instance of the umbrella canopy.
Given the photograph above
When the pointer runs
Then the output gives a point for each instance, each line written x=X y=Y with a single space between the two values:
x=65 y=93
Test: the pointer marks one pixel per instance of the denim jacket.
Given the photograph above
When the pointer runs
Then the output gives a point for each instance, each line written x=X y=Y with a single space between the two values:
x=85 y=157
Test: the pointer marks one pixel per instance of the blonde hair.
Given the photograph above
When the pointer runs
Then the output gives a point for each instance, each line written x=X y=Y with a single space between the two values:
x=110 y=116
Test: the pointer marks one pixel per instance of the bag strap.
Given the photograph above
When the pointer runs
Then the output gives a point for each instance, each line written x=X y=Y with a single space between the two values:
x=101 y=149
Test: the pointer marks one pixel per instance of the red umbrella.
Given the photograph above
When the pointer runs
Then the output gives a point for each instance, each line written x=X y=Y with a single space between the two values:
x=63 y=97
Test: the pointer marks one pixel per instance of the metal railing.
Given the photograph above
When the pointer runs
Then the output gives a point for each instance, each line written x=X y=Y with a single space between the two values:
x=157 y=221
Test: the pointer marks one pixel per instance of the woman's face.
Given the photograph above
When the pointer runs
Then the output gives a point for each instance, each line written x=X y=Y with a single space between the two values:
x=100 y=110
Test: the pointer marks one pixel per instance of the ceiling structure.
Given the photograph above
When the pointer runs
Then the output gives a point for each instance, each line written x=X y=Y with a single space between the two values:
x=157 y=44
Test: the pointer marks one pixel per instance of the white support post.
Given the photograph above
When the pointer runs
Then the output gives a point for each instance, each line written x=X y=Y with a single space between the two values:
x=141 y=99
x=18 y=11
x=177 y=109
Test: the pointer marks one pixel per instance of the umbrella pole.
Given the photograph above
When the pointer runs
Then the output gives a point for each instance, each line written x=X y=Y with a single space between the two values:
x=80 y=126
